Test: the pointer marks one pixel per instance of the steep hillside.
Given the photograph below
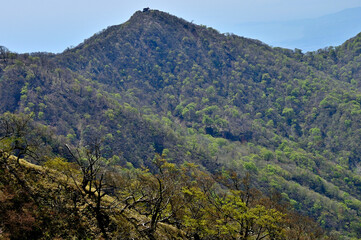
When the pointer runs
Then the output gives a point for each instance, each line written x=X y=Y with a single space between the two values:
x=80 y=109
x=92 y=198
x=46 y=203
x=159 y=84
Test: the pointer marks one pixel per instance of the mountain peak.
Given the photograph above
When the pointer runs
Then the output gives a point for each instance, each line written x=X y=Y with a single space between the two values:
x=151 y=16
x=157 y=34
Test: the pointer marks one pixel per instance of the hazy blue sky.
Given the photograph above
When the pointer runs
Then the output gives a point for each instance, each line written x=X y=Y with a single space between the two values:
x=53 y=25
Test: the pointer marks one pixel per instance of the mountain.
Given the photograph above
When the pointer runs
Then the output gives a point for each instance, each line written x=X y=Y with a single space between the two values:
x=306 y=34
x=158 y=84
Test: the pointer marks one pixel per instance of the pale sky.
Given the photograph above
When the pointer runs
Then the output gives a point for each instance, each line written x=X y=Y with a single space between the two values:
x=54 y=25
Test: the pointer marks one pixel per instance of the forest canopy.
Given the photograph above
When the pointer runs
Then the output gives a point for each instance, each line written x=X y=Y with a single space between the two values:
x=181 y=113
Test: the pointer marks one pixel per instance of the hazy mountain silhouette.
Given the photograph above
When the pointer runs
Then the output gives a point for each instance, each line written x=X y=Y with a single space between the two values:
x=306 y=34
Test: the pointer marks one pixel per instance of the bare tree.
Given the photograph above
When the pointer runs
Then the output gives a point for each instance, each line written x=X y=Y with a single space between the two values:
x=19 y=136
x=93 y=182
x=4 y=54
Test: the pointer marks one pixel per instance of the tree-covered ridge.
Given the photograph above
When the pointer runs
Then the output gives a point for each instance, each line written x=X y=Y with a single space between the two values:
x=159 y=84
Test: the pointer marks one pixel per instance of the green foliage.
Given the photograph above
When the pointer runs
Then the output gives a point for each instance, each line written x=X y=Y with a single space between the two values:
x=291 y=120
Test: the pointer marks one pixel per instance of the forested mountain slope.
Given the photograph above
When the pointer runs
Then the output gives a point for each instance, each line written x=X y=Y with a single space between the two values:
x=159 y=84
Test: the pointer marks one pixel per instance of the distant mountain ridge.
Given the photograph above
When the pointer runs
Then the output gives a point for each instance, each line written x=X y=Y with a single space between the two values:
x=306 y=34
x=159 y=84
